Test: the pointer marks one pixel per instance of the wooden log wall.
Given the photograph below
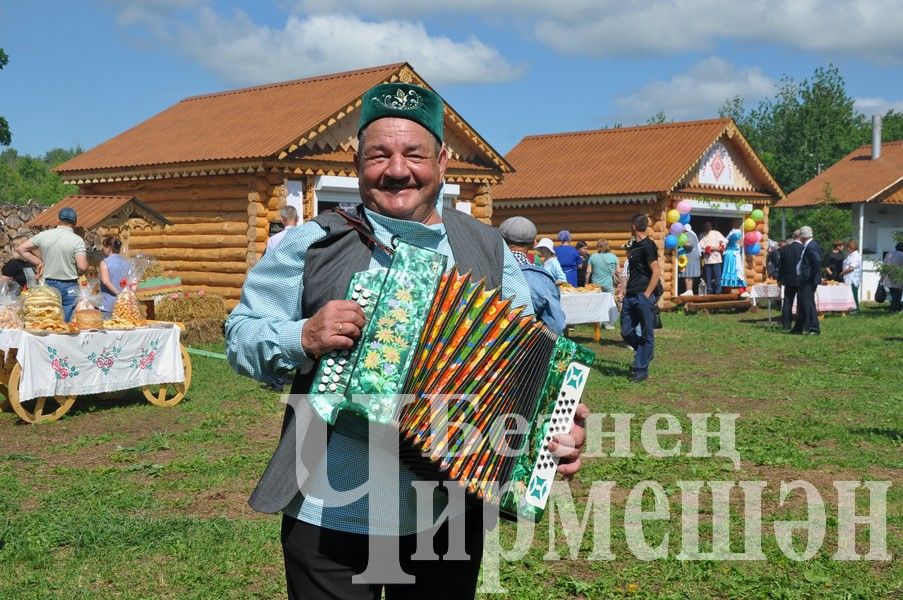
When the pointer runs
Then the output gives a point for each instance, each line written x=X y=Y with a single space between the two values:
x=266 y=195
x=480 y=198
x=208 y=242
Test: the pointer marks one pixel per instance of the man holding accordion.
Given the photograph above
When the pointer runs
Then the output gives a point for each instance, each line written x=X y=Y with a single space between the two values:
x=292 y=313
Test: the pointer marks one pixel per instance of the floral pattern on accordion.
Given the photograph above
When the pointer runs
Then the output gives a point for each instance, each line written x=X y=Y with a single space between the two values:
x=390 y=336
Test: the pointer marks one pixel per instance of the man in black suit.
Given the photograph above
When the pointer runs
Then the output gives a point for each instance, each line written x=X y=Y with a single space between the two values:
x=809 y=270
x=787 y=277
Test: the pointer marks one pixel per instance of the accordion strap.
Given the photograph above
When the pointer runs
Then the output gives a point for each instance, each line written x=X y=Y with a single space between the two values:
x=359 y=225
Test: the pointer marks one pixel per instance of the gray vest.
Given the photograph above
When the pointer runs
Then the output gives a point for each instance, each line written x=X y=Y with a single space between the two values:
x=328 y=267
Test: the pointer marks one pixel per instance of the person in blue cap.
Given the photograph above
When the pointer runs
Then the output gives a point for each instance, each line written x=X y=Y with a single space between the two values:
x=293 y=312
x=63 y=258
x=568 y=256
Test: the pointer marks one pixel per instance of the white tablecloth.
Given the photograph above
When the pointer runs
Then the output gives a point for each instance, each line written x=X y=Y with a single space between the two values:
x=832 y=298
x=587 y=307
x=91 y=362
x=764 y=291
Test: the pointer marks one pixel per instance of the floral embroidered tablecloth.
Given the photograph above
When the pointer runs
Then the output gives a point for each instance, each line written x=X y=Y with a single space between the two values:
x=94 y=361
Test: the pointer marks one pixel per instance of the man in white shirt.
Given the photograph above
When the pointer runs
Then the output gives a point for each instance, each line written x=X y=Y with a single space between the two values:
x=712 y=245
x=289 y=217
x=63 y=258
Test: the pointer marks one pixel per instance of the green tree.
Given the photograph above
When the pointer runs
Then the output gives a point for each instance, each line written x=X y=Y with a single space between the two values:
x=805 y=128
x=892 y=126
x=657 y=119
x=24 y=177
x=6 y=137
x=829 y=221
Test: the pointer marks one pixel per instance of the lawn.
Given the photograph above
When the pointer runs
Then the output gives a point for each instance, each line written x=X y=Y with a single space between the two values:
x=121 y=499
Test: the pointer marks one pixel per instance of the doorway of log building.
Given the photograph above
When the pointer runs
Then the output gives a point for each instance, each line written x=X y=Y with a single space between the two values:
x=723 y=217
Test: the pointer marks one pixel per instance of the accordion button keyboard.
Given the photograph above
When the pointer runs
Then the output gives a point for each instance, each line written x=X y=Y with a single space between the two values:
x=540 y=484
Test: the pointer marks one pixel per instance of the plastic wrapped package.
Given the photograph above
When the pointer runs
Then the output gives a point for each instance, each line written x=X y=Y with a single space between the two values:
x=10 y=305
x=42 y=309
x=126 y=313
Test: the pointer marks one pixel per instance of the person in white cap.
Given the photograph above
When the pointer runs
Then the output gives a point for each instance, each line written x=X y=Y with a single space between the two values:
x=550 y=263
x=519 y=233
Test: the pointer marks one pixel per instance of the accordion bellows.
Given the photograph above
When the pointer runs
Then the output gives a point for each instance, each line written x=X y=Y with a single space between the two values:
x=475 y=389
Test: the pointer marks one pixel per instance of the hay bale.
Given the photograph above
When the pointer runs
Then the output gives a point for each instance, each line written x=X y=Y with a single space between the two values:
x=202 y=314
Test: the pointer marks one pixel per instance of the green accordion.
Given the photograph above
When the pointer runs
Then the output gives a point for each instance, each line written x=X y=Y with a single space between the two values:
x=476 y=390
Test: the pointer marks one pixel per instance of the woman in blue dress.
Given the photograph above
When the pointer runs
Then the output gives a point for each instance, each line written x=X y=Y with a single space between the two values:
x=732 y=267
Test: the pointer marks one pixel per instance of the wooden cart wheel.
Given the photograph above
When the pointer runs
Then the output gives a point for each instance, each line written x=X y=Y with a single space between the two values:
x=38 y=410
x=170 y=394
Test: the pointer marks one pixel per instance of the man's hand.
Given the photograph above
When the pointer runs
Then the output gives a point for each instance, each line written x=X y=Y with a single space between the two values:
x=567 y=446
x=39 y=271
x=333 y=327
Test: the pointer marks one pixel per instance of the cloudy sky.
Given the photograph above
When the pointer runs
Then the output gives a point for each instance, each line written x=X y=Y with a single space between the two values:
x=82 y=71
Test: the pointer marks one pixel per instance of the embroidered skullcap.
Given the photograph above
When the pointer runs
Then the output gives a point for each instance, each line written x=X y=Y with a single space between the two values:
x=404 y=101
x=564 y=235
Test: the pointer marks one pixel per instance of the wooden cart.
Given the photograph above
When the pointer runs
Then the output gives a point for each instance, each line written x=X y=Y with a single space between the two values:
x=51 y=408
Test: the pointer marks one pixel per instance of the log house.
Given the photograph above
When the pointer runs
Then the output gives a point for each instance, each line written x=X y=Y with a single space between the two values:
x=592 y=182
x=219 y=167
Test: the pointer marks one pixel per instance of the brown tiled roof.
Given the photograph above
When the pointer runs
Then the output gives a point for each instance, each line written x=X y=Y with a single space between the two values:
x=254 y=122
x=91 y=210
x=854 y=178
x=251 y=124
x=609 y=162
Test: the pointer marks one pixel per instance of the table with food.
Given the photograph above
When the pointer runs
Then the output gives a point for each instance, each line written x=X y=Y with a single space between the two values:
x=46 y=363
x=587 y=304
x=832 y=296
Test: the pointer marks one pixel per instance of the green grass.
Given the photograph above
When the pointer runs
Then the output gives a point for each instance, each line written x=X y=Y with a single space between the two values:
x=121 y=499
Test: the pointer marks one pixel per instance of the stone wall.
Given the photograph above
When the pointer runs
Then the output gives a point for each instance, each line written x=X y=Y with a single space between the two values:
x=12 y=223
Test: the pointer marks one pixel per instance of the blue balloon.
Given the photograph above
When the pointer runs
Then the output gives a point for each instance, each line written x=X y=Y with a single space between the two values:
x=670 y=242
x=753 y=249
x=684 y=219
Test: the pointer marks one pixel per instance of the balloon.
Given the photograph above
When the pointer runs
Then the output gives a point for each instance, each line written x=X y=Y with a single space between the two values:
x=752 y=237
x=682 y=239
x=673 y=216
x=683 y=207
x=670 y=242
x=749 y=224
x=676 y=228
x=757 y=215
x=682 y=261
x=684 y=219
x=753 y=249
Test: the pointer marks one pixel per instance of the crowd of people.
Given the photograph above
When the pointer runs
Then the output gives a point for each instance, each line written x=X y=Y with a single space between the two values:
x=58 y=257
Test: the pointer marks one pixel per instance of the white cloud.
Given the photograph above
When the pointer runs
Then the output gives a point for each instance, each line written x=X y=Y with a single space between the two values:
x=244 y=53
x=150 y=12
x=877 y=106
x=696 y=94
x=866 y=28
